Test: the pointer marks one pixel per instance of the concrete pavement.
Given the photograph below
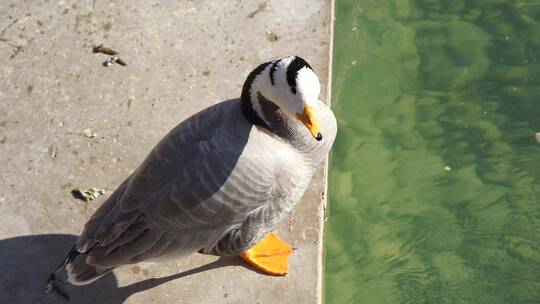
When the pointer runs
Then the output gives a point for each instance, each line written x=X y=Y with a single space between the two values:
x=66 y=121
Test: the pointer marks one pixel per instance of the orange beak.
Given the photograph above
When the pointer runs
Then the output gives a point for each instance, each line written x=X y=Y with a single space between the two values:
x=308 y=118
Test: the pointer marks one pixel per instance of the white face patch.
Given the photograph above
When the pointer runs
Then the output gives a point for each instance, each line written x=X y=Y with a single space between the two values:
x=272 y=84
x=308 y=86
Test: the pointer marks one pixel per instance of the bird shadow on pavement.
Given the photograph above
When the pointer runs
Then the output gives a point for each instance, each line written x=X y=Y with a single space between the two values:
x=27 y=261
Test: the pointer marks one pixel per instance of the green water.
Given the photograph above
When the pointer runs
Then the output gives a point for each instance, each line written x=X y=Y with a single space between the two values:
x=434 y=190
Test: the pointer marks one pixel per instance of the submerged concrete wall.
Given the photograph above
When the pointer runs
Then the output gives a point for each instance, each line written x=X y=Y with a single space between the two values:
x=66 y=121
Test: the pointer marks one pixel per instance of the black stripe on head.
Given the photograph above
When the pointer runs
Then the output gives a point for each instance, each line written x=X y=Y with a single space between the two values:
x=292 y=71
x=246 y=89
x=272 y=70
x=245 y=98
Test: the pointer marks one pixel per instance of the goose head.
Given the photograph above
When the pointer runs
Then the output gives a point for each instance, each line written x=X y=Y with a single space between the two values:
x=291 y=85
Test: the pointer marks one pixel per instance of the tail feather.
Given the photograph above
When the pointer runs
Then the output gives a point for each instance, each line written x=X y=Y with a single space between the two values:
x=79 y=271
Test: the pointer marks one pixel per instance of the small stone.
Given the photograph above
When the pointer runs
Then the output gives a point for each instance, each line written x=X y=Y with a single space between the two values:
x=107 y=63
x=105 y=50
x=113 y=60
x=52 y=151
x=447 y=168
x=89 y=133
x=87 y=195
x=119 y=61
x=537 y=135
x=271 y=36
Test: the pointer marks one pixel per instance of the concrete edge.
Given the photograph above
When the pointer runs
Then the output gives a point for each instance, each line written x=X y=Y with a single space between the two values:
x=324 y=206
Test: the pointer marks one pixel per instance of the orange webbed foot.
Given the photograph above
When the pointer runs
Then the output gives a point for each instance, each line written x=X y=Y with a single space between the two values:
x=270 y=255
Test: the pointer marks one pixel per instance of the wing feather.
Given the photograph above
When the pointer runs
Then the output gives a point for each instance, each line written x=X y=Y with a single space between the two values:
x=203 y=176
